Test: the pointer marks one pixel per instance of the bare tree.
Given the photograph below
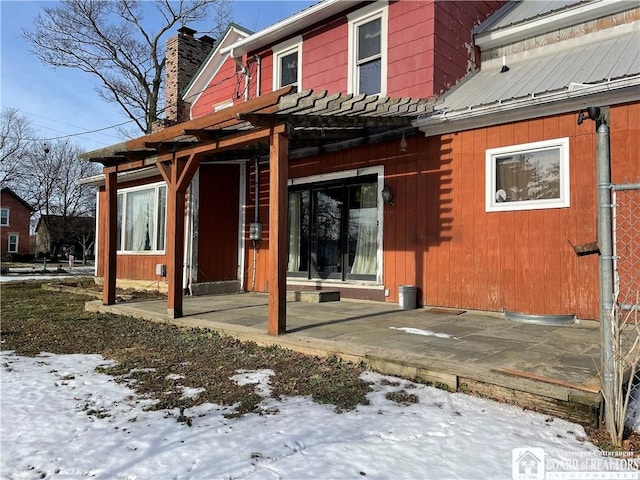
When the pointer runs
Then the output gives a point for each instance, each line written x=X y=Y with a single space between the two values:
x=110 y=40
x=52 y=190
x=16 y=136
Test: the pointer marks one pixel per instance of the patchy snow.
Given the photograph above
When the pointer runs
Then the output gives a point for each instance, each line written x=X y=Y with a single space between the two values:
x=427 y=333
x=61 y=419
x=258 y=377
x=33 y=273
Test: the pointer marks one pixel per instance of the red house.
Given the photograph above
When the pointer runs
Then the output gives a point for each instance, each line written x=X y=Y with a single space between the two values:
x=15 y=215
x=320 y=154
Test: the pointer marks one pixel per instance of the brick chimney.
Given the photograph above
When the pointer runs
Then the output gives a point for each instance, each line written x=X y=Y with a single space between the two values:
x=184 y=56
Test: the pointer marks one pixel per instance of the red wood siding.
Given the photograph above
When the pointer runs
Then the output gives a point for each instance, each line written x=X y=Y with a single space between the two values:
x=218 y=223
x=224 y=86
x=19 y=216
x=410 y=62
x=324 y=57
x=452 y=49
x=438 y=236
x=428 y=49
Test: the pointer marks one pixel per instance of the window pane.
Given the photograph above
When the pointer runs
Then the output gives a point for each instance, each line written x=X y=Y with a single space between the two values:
x=528 y=176
x=119 y=221
x=369 y=39
x=4 y=216
x=139 y=223
x=289 y=69
x=162 y=218
x=298 y=231
x=13 y=243
x=363 y=229
x=328 y=220
x=370 y=77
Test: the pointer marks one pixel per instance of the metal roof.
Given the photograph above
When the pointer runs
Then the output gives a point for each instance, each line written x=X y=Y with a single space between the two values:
x=590 y=59
x=515 y=12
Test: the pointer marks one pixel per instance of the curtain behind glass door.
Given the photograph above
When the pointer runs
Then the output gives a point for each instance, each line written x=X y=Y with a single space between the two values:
x=327 y=254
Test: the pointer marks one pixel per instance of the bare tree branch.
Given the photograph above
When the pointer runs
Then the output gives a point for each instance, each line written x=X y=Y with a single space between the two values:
x=111 y=40
x=16 y=136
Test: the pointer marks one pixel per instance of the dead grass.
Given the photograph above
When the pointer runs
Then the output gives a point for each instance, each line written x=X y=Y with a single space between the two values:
x=156 y=359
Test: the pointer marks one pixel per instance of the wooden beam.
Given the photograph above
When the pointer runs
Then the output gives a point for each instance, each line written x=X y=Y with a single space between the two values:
x=187 y=171
x=278 y=174
x=325 y=121
x=268 y=102
x=233 y=141
x=110 y=212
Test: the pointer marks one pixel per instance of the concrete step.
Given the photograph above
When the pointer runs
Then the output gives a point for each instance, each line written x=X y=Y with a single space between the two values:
x=313 y=296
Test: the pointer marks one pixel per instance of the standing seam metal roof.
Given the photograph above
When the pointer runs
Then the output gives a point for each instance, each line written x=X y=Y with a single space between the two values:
x=515 y=12
x=548 y=69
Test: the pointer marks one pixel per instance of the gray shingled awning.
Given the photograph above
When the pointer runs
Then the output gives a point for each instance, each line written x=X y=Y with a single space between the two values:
x=315 y=120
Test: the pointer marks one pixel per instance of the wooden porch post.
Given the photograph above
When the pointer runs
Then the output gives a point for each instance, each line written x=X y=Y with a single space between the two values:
x=110 y=212
x=175 y=250
x=278 y=165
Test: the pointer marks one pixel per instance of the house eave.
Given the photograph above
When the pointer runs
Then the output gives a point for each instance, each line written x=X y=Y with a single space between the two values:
x=288 y=26
x=611 y=93
x=548 y=23
x=99 y=180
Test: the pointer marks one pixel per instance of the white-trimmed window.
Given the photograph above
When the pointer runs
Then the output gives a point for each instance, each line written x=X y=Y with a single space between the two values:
x=4 y=217
x=368 y=49
x=13 y=243
x=142 y=218
x=528 y=176
x=287 y=64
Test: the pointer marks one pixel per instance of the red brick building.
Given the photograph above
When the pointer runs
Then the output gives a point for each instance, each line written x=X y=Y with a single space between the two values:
x=15 y=215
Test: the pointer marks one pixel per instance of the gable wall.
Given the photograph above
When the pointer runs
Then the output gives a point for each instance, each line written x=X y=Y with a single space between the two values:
x=226 y=85
x=19 y=217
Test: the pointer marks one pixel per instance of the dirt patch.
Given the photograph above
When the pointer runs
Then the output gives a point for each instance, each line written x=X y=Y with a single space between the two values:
x=160 y=360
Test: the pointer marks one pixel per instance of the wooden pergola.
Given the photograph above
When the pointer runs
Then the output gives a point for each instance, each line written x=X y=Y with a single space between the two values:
x=177 y=151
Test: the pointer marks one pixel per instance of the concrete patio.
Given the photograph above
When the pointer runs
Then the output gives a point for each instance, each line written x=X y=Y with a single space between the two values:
x=552 y=369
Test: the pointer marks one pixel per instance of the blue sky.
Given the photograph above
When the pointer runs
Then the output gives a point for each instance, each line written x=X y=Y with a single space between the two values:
x=63 y=101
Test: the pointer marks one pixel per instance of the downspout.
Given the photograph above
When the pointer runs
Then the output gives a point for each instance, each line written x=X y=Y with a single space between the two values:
x=256 y=219
x=258 y=74
x=603 y=170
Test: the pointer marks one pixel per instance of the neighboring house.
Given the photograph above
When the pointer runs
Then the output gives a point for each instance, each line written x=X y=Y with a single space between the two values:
x=15 y=215
x=61 y=236
x=361 y=182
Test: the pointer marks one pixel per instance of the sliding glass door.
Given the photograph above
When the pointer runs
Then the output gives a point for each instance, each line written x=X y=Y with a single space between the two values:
x=333 y=230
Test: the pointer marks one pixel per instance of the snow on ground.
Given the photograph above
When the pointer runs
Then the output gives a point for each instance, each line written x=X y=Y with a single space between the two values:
x=61 y=419
x=33 y=273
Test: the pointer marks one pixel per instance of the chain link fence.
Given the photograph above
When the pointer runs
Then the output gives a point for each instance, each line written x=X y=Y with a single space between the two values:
x=626 y=244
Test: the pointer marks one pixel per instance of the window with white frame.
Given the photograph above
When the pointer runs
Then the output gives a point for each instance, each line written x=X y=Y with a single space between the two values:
x=13 y=243
x=287 y=65
x=528 y=176
x=368 y=50
x=4 y=217
x=142 y=214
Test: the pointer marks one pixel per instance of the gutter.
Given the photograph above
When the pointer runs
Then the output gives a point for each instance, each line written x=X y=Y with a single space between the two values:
x=611 y=92
x=301 y=20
